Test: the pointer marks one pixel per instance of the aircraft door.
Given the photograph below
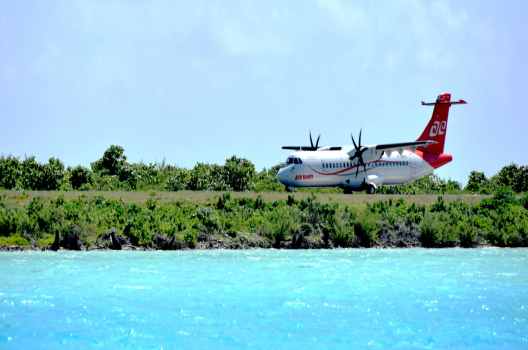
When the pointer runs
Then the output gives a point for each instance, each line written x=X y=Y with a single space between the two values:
x=412 y=162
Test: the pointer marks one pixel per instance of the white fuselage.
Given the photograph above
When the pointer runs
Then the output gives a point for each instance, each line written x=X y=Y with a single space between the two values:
x=334 y=168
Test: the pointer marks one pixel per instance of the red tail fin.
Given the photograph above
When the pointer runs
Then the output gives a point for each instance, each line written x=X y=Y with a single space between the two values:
x=436 y=129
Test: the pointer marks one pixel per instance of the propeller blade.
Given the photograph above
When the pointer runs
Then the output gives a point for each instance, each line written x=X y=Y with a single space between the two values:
x=311 y=142
x=360 y=130
x=357 y=171
x=317 y=143
x=354 y=142
x=364 y=167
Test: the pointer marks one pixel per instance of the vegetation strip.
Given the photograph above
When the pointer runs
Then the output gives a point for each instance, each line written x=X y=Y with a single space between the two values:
x=240 y=222
x=113 y=173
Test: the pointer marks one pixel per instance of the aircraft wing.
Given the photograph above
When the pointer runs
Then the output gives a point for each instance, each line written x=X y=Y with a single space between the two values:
x=300 y=148
x=400 y=147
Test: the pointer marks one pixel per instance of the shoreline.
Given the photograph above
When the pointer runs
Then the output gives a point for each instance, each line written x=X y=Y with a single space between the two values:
x=387 y=239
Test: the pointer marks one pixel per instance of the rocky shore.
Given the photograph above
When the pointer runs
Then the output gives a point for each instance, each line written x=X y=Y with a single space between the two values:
x=395 y=237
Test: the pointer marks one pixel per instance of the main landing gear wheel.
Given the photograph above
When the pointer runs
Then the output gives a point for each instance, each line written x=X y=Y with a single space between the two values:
x=371 y=189
x=289 y=188
x=347 y=190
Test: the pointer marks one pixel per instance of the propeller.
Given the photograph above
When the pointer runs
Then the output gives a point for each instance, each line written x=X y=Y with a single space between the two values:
x=316 y=143
x=359 y=153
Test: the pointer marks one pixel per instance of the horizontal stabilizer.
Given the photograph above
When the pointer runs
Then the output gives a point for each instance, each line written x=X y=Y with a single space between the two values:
x=460 y=102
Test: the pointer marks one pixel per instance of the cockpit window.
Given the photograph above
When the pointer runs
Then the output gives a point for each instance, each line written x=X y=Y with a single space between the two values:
x=293 y=160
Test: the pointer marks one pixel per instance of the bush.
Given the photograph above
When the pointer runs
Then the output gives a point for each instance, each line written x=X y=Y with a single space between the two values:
x=190 y=237
x=514 y=177
x=342 y=232
x=112 y=161
x=238 y=173
x=366 y=227
x=10 y=171
x=178 y=179
x=14 y=240
x=80 y=176
x=223 y=201
x=439 y=206
x=429 y=231
x=207 y=177
x=467 y=233
x=283 y=224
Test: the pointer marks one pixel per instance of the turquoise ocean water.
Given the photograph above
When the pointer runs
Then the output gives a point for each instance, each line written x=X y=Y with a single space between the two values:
x=339 y=299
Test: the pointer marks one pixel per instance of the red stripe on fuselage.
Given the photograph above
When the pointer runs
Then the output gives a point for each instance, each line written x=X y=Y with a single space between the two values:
x=353 y=167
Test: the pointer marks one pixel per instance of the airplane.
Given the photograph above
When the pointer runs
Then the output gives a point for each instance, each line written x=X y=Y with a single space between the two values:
x=365 y=168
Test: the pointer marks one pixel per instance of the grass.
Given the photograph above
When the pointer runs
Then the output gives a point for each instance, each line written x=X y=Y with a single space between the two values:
x=204 y=197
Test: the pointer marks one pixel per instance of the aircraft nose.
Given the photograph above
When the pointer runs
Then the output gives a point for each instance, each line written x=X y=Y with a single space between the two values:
x=281 y=175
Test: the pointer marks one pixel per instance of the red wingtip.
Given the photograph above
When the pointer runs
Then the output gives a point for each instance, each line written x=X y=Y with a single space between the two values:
x=423 y=102
x=463 y=102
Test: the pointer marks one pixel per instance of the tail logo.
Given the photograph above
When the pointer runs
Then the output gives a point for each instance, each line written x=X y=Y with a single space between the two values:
x=438 y=128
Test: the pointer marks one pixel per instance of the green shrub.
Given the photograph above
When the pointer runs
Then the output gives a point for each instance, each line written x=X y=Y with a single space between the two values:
x=80 y=176
x=190 y=237
x=223 y=201
x=342 y=233
x=366 y=227
x=429 y=230
x=112 y=161
x=14 y=240
x=439 y=206
x=9 y=221
x=467 y=233
x=238 y=173
x=231 y=232
x=177 y=178
x=524 y=201
x=282 y=225
x=136 y=230
x=151 y=204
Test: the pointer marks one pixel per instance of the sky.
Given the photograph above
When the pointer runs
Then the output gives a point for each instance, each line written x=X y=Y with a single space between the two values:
x=200 y=81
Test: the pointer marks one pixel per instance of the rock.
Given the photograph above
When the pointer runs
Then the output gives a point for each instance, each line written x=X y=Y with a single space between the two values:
x=202 y=237
x=161 y=243
x=56 y=244
x=115 y=243
x=107 y=237
x=71 y=240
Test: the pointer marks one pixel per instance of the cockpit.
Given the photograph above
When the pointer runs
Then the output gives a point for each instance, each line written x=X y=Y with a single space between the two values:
x=293 y=160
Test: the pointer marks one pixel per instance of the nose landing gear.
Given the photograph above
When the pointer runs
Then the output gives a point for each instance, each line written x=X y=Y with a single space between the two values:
x=288 y=188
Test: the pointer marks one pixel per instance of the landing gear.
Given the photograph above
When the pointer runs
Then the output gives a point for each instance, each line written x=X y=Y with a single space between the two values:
x=289 y=188
x=371 y=189
x=347 y=190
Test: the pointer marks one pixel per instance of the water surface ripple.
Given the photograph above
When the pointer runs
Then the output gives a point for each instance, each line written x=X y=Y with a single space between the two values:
x=408 y=298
